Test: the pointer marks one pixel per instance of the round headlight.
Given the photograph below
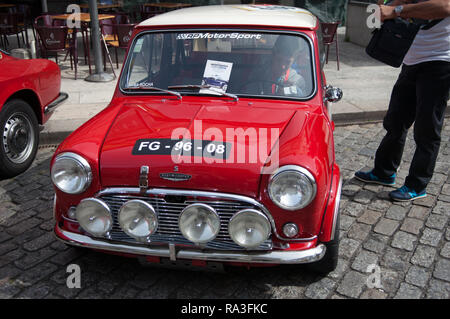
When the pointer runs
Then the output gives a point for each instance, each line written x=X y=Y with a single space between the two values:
x=292 y=187
x=71 y=173
x=138 y=219
x=94 y=216
x=199 y=223
x=249 y=228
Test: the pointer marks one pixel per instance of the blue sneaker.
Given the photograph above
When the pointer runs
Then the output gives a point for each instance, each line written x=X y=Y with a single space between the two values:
x=370 y=177
x=404 y=194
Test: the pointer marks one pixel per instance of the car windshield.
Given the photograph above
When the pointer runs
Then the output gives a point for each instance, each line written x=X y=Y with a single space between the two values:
x=230 y=63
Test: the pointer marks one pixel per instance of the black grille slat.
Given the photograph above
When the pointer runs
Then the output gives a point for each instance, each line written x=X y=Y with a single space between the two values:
x=168 y=214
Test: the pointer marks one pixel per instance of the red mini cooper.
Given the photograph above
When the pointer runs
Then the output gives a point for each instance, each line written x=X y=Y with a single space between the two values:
x=29 y=93
x=217 y=147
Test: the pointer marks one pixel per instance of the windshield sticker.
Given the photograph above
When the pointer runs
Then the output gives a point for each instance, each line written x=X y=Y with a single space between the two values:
x=216 y=75
x=197 y=148
x=138 y=46
x=208 y=35
x=145 y=84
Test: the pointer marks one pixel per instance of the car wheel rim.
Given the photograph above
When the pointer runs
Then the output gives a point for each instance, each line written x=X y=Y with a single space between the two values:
x=18 y=138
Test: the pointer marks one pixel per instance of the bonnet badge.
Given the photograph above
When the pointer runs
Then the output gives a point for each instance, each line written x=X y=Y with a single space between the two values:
x=175 y=177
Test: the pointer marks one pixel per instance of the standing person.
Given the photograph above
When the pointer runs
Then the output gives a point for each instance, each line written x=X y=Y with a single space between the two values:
x=419 y=96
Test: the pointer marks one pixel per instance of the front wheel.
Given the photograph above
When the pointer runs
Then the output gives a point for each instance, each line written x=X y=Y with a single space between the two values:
x=20 y=138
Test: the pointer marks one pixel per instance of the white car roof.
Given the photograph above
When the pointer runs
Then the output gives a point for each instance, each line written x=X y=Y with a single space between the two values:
x=267 y=15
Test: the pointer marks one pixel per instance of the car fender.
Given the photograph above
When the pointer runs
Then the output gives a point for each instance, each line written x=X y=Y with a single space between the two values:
x=330 y=217
x=38 y=84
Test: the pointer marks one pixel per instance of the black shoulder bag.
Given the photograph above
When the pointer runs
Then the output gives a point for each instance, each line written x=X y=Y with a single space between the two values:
x=391 y=42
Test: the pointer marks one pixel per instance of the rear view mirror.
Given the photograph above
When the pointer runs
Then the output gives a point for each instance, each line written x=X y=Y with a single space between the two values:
x=333 y=94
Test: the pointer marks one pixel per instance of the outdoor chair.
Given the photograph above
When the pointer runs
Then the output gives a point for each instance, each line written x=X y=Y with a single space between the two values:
x=108 y=29
x=24 y=19
x=44 y=20
x=47 y=21
x=9 y=25
x=55 y=39
x=109 y=35
x=3 y=27
x=121 y=18
x=329 y=33
x=124 y=32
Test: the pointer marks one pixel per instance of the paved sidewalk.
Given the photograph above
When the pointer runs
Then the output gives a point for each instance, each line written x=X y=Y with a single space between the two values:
x=366 y=84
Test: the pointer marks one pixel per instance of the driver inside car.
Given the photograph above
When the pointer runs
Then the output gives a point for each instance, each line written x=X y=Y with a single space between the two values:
x=280 y=78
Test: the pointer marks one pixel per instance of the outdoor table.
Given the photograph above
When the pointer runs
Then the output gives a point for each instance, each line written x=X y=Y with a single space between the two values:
x=101 y=6
x=83 y=18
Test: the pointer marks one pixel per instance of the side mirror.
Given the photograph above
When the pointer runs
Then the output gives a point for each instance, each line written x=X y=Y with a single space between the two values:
x=333 y=94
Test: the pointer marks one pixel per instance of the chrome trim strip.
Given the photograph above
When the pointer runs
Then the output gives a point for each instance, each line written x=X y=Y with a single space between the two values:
x=277 y=256
x=191 y=193
x=62 y=97
x=54 y=207
x=336 y=208
x=69 y=219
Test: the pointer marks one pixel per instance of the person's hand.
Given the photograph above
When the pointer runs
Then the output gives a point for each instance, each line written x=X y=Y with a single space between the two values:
x=386 y=13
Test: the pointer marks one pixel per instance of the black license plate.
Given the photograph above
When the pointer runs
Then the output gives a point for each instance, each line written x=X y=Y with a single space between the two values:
x=195 y=148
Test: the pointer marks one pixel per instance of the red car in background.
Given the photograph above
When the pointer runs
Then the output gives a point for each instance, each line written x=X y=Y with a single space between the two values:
x=172 y=171
x=29 y=93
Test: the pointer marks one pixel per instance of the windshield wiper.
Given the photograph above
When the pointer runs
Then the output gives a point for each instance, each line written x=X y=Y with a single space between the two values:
x=152 y=88
x=203 y=86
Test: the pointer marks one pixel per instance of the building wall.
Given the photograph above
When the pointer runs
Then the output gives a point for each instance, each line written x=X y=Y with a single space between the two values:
x=357 y=31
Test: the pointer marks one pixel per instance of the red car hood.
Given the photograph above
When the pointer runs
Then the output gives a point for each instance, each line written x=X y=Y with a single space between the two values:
x=127 y=145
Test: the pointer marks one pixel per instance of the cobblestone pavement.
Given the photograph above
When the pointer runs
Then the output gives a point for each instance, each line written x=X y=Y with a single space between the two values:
x=408 y=245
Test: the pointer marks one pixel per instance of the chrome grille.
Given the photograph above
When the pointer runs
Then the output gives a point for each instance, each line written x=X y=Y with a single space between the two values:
x=168 y=213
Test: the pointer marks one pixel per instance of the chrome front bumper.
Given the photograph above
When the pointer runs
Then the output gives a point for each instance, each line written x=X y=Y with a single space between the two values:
x=174 y=253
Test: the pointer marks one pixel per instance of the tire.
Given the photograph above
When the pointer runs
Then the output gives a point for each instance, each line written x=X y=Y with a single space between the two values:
x=19 y=138
x=329 y=262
